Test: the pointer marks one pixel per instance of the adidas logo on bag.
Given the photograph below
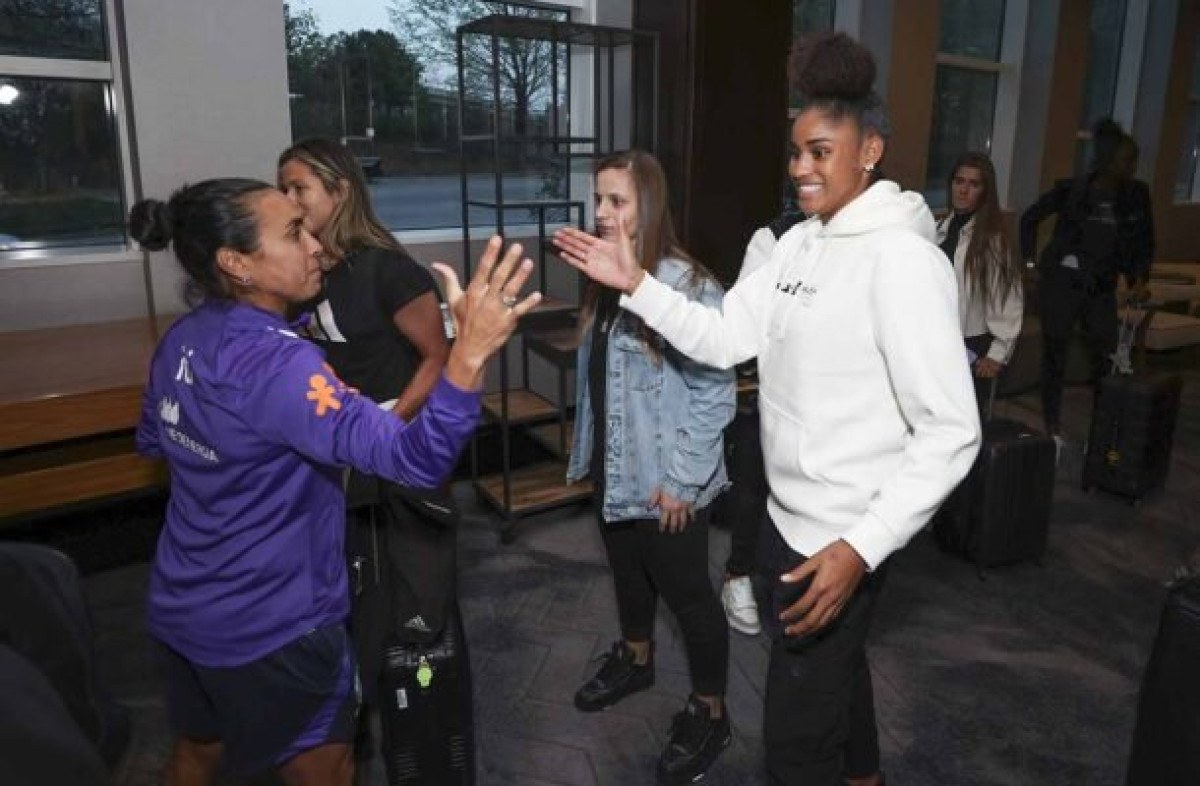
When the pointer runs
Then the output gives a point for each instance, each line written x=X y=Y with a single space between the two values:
x=417 y=623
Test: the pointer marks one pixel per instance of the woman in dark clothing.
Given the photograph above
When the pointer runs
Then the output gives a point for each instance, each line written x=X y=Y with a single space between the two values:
x=379 y=323
x=247 y=591
x=1105 y=228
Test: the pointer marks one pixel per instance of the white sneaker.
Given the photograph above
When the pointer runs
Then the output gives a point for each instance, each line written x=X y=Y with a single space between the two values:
x=740 y=609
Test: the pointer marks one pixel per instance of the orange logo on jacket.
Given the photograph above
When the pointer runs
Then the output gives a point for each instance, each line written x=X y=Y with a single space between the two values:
x=322 y=394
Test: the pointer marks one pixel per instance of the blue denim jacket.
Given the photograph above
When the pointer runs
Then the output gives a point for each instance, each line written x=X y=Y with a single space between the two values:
x=665 y=418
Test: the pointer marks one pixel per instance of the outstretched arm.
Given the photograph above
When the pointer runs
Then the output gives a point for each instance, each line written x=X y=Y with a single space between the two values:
x=720 y=337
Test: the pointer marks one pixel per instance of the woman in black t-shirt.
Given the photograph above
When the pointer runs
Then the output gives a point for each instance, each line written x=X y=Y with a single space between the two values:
x=379 y=321
x=378 y=317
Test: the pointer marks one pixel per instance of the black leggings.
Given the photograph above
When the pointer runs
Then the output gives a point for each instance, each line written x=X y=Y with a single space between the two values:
x=646 y=563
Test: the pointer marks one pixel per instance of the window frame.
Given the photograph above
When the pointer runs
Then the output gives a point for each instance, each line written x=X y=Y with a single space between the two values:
x=111 y=73
x=1192 y=196
x=1007 y=70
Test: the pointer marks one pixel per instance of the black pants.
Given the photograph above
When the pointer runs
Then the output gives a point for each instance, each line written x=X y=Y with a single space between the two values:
x=749 y=500
x=647 y=563
x=819 y=714
x=1066 y=297
x=983 y=387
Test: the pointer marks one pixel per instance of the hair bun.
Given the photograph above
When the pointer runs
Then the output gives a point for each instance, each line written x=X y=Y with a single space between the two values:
x=831 y=66
x=151 y=224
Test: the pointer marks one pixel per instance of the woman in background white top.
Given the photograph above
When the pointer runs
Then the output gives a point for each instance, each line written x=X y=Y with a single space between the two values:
x=868 y=413
x=974 y=237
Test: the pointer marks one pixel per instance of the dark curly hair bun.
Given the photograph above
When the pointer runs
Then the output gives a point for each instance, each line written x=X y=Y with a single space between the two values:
x=151 y=224
x=831 y=66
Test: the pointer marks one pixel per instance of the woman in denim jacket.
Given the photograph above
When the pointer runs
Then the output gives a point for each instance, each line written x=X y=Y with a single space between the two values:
x=648 y=425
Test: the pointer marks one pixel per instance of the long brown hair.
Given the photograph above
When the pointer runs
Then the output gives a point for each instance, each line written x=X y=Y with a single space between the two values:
x=353 y=225
x=656 y=238
x=991 y=242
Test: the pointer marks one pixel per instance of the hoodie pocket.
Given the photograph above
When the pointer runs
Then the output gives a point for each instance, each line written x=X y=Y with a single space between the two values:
x=782 y=442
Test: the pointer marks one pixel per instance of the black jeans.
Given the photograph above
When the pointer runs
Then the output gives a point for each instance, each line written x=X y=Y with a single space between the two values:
x=749 y=491
x=1066 y=297
x=647 y=563
x=819 y=714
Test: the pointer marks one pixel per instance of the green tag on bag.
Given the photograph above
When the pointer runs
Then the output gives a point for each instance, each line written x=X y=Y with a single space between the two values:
x=424 y=673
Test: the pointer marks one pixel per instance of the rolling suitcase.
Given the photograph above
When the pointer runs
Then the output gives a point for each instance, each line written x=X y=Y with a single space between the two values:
x=425 y=690
x=1133 y=418
x=1000 y=513
x=1133 y=426
x=1166 y=740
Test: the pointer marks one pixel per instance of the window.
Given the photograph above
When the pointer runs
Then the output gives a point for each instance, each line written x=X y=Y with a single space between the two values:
x=812 y=16
x=965 y=89
x=1187 y=182
x=1105 y=36
x=62 y=178
x=382 y=78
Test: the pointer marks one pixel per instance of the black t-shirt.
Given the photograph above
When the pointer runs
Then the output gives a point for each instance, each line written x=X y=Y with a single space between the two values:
x=352 y=320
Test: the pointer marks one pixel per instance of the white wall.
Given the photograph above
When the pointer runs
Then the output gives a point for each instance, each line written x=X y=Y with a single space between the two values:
x=209 y=85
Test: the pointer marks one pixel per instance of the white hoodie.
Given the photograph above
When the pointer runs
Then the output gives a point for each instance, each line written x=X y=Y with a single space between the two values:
x=868 y=411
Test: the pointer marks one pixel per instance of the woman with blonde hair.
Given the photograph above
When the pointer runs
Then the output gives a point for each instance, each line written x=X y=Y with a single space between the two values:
x=648 y=430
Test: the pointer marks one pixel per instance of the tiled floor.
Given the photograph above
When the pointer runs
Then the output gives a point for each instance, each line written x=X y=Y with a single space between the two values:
x=1027 y=678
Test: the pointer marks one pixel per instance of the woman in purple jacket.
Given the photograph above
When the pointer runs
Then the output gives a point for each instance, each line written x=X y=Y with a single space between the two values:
x=248 y=589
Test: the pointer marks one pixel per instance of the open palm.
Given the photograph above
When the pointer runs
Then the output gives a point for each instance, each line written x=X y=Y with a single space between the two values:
x=609 y=262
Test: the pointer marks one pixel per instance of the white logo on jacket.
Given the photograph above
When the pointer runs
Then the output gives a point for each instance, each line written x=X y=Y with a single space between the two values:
x=184 y=374
x=168 y=410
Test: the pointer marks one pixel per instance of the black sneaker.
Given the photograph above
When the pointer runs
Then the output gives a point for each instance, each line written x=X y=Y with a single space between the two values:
x=618 y=677
x=696 y=741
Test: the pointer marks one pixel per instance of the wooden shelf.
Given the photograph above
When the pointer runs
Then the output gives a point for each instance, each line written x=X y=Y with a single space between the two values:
x=558 y=345
x=534 y=489
x=546 y=435
x=64 y=475
x=524 y=406
x=550 y=313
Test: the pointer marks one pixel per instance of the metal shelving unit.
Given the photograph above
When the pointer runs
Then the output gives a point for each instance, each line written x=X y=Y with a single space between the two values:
x=548 y=332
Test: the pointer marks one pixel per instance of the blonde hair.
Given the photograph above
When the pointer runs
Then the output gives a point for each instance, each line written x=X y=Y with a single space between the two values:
x=353 y=225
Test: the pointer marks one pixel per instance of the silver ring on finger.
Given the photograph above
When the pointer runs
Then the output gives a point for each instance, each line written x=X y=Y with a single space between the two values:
x=508 y=300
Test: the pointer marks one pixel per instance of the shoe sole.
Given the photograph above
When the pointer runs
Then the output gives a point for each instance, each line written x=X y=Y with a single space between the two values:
x=683 y=780
x=608 y=702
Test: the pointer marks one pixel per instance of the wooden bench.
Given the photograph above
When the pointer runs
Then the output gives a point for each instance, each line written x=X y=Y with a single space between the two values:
x=70 y=399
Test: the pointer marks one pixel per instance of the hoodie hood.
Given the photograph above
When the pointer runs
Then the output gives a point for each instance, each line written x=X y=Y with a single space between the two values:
x=883 y=206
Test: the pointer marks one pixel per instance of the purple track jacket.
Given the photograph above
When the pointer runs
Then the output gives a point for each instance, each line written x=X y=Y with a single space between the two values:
x=256 y=429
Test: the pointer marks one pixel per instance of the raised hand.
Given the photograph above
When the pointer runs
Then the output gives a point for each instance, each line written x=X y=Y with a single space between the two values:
x=610 y=262
x=486 y=313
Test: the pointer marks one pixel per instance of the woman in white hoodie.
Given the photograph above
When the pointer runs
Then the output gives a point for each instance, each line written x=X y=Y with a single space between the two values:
x=975 y=239
x=868 y=413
